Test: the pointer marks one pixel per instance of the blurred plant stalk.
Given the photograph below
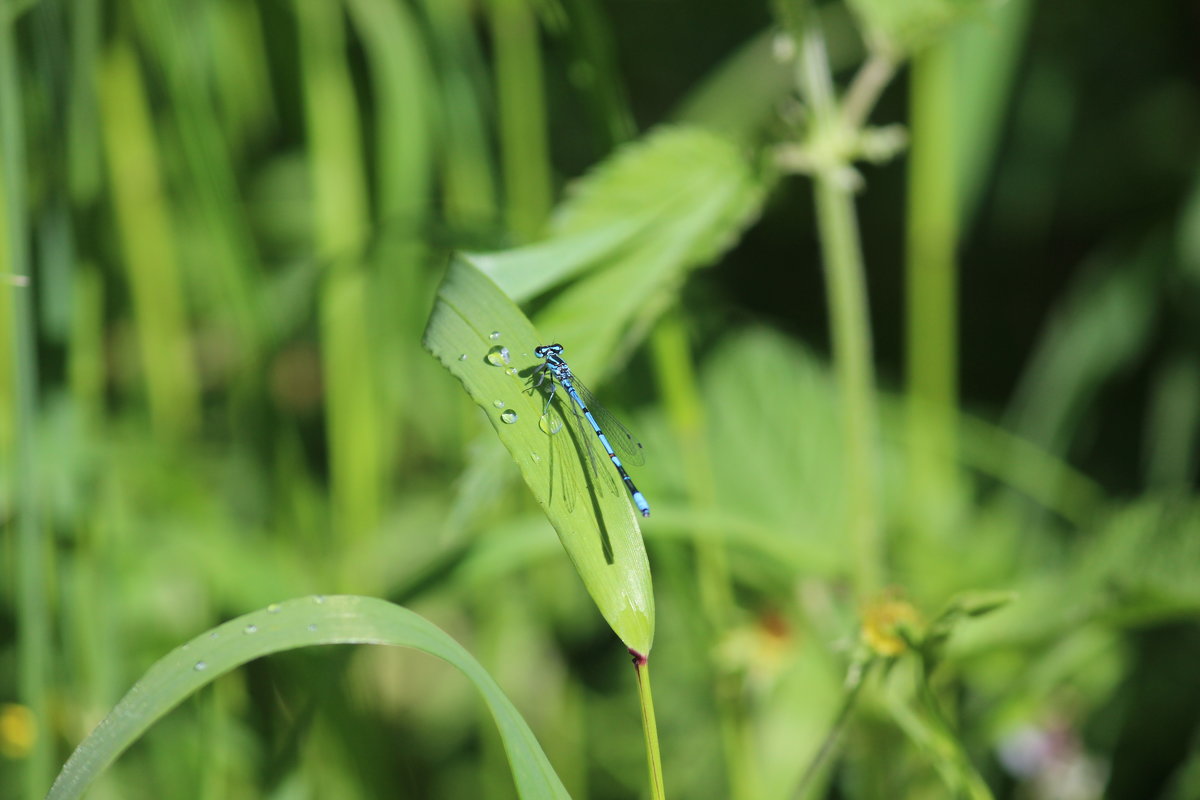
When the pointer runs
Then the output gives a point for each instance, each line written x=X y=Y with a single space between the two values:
x=18 y=431
x=341 y=224
x=833 y=140
x=681 y=395
x=932 y=287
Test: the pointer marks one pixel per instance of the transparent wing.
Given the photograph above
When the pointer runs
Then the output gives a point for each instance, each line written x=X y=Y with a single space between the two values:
x=627 y=446
x=601 y=473
x=562 y=483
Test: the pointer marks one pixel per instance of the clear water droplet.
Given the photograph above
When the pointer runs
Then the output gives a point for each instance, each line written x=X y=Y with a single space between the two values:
x=498 y=356
x=509 y=416
x=250 y=629
x=511 y=371
x=312 y=626
x=273 y=608
x=495 y=335
x=536 y=458
x=550 y=423
x=498 y=403
x=463 y=357
x=200 y=666
x=318 y=598
x=214 y=635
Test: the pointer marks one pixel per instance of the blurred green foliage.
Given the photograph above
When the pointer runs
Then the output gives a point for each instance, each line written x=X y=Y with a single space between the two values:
x=222 y=227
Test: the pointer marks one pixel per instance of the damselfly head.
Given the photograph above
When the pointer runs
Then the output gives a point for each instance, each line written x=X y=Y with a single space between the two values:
x=544 y=350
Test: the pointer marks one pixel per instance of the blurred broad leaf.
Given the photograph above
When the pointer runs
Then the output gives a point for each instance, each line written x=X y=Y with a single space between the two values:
x=987 y=52
x=487 y=343
x=1188 y=236
x=303 y=622
x=1173 y=423
x=741 y=96
x=632 y=228
x=1103 y=324
x=1145 y=563
x=783 y=476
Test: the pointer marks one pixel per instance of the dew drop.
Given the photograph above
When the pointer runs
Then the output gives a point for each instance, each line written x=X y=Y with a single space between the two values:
x=509 y=416
x=250 y=629
x=498 y=356
x=463 y=357
x=273 y=608
x=318 y=598
x=498 y=403
x=550 y=424
x=536 y=458
x=200 y=666
x=495 y=335
x=312 y=626
x=214 y=635
x=511 y=371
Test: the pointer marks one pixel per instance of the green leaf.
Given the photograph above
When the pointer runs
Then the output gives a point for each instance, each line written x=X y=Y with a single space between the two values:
x=908 y=25
x=964 y=606
x=1145 y=561
x=526 y=272
x=777 y=477
x=487 y=343
x=303 y=622
x=741 y=96
x=914 y=708
x=632 y=228
x=1103 y=325
x=987 y=54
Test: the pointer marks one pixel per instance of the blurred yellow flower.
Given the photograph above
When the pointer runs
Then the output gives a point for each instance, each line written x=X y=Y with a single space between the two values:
x=881 y=622
x=18 y=729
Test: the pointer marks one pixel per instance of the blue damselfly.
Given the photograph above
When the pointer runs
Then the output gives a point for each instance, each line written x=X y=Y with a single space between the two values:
x=597 y=416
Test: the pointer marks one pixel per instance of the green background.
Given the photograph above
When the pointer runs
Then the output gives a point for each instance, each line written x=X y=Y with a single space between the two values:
x=222 y=227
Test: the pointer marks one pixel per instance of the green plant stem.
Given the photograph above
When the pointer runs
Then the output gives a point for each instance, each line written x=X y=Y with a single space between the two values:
x=920 y=718
x=403 y=166
x=846 y=287
x=931 y=285
x=466 y=183
x=33 y=617
x=524 y=150
x=147 y=233
x=845 y=282
x=681 y=398
x=641 y=668
x=225 y=286
x=869 y=82
x=854 y=686
x=353 y=419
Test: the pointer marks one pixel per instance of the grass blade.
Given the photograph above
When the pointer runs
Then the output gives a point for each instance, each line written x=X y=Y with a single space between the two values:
x=353 y=417
x=303 y=622
x=521 y=103
x=18 y=445
x=148 y=242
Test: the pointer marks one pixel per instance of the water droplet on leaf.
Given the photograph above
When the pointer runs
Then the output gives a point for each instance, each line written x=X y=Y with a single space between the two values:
x=498 y=356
